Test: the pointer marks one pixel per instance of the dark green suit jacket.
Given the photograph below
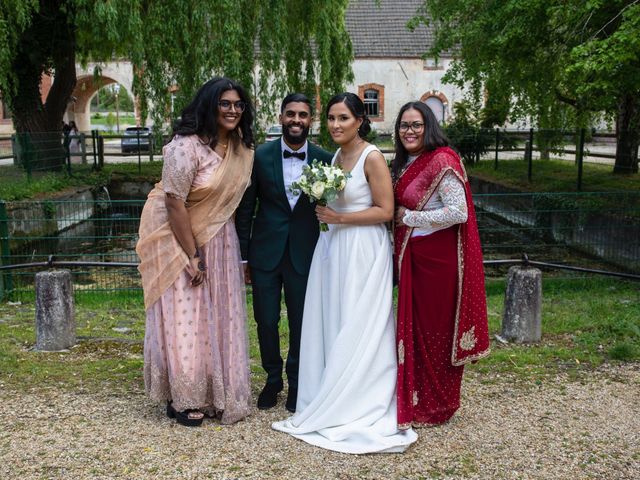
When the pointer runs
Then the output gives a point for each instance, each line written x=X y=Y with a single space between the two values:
x=263 y=239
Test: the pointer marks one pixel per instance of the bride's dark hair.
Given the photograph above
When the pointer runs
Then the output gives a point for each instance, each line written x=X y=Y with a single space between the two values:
x=355 y=106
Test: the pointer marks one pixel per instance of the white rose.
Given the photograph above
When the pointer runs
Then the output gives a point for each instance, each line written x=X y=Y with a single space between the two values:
x=343 y=183
x=315 y=171
x=303 y=180
x=317 y=189
x=329 y=173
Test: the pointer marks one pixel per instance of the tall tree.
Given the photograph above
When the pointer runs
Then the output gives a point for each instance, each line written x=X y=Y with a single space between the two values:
x=300 y=44
x=557 y=61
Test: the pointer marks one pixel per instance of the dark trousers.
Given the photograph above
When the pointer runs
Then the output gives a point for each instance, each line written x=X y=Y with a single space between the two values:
x=267 y=289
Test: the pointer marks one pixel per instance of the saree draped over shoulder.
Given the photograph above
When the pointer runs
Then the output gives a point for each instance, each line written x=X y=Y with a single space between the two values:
x=196 y=352
x=442 y=313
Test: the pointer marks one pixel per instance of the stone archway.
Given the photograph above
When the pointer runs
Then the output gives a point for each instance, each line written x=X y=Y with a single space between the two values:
x=87 y=85
x=438 y=103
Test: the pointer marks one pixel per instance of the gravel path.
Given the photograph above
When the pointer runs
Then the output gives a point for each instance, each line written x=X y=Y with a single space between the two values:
x=510 y=427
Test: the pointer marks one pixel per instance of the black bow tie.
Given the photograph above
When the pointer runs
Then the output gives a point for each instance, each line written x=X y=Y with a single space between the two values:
x=298 y=155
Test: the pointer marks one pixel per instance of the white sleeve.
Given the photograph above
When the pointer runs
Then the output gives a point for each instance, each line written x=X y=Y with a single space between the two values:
x=452 y=194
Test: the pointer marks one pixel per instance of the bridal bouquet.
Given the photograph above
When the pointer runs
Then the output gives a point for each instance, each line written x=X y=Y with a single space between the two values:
x=321 y=183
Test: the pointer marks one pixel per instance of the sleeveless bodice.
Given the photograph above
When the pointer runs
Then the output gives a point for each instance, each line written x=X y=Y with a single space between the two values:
x=356 y=196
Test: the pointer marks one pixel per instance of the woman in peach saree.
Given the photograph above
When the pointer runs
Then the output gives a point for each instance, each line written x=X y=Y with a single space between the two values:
x=195 y=348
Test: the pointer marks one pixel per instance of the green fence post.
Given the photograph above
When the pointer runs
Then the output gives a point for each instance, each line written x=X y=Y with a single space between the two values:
x=495 y=165
x=100 y=152
x=24 y=152
x=83 y=148
x=139 y=152
x=530 y=156
x=94 y=143
x=14 y=150
x=6 y=279
x=580 y=158
x=151 y=137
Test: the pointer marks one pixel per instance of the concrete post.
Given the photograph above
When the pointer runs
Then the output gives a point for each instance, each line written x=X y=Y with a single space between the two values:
x=522 y=318
x=55 y=316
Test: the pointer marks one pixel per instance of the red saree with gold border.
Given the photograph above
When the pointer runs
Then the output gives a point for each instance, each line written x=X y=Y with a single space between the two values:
x=442 y=311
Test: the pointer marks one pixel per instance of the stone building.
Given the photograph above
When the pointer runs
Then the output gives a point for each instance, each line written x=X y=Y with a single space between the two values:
x=389 y=67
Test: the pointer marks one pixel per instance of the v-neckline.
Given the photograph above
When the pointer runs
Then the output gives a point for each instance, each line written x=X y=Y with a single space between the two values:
x=355 y=164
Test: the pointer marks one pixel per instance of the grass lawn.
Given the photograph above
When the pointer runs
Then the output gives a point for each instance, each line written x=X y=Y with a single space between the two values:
x=555 y=176
x=548 y=176
x=14 y=184
x=586 y=321
x=124 y=120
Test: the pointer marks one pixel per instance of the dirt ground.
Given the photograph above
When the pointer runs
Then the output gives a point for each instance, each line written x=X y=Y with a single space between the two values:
x=509 y=427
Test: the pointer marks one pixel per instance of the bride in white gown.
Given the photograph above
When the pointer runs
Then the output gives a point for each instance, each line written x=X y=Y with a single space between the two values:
x=347 y=379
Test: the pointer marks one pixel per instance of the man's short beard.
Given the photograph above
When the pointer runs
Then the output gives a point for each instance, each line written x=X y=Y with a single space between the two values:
x=297 y=139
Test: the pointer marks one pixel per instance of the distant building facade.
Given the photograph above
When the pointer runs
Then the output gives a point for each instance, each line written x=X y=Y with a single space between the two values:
x=389 y=68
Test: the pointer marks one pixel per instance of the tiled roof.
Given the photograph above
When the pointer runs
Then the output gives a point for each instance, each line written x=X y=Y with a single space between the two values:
x=381 y=30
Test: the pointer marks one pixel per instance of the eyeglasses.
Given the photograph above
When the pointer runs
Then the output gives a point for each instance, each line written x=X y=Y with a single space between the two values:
x=225 y=105
x=417 y=127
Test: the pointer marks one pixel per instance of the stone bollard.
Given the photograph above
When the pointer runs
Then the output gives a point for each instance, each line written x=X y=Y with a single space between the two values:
x=55 y=316
x=522 y=318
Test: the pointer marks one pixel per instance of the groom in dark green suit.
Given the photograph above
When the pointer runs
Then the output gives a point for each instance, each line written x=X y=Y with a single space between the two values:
x=279 y=242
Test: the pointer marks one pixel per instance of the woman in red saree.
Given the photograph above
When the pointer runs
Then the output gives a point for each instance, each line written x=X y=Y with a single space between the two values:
x=442 y=312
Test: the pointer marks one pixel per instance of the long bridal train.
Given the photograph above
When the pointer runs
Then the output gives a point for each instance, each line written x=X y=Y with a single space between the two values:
x=347 y=386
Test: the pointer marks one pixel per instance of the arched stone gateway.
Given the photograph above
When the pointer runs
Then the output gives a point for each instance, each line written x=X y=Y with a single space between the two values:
x=88 y=84
x=438 y=103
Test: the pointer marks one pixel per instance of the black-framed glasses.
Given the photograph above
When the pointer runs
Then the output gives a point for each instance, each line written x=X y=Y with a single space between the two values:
x=417 y=127
x=225 y=105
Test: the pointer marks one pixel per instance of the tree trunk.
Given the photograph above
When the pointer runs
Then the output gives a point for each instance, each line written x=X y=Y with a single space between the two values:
x=627 y=134
x=47 y=47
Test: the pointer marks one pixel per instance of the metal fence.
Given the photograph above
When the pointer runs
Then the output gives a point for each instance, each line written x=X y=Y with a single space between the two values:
x=34 y=153
x=78 y=231
x=37 y=152
x=595 y=230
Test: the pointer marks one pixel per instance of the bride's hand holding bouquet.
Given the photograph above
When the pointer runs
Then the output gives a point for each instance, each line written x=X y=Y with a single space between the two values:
x=321 y=183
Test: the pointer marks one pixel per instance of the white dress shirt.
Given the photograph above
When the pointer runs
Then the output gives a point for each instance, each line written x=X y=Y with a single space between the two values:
x=291 y=170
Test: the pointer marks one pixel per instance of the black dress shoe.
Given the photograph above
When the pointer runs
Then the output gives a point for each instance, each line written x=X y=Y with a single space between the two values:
x=268 y=397
x=292 y=399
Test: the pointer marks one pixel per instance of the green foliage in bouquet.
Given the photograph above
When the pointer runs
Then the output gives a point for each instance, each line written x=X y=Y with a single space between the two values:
x=321 y=183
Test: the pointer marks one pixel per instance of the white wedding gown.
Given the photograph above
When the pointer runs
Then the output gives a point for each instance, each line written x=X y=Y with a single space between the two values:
x=347 y=379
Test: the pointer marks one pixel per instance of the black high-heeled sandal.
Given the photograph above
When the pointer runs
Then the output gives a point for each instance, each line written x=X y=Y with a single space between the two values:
x=183 y=418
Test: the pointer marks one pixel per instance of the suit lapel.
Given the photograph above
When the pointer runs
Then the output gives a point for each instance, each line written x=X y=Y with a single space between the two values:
x=277 y=171
x=316 y=153
x=311 y=153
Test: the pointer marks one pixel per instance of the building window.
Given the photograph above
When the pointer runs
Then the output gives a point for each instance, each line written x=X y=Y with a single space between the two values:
x=372 y=95
x=438 y=103
x=371 y=103
x=431 y=63
x=437 y=107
